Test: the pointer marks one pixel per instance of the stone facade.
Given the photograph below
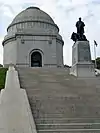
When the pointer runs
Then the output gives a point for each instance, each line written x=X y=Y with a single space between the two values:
x=33 y=31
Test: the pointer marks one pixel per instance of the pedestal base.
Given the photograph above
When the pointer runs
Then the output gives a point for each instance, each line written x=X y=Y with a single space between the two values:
x=81 y=60
x=85 y=70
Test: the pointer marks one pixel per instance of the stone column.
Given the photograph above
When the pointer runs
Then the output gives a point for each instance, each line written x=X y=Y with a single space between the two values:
x=82 y=65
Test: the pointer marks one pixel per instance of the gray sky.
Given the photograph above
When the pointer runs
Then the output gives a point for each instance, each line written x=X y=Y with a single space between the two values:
x=65 y=14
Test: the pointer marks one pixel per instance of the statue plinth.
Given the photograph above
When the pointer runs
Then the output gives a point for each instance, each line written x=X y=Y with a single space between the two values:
x=81 y=60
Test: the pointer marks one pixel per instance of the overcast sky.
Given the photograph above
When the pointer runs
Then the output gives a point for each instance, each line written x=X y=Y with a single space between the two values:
x=65 y=14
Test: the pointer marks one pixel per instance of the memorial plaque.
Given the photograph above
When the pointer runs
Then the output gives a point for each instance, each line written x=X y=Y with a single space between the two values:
x=84 y=52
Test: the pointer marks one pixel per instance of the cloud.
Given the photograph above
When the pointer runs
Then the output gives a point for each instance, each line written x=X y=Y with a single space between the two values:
x=96 y=2
x=65 y=14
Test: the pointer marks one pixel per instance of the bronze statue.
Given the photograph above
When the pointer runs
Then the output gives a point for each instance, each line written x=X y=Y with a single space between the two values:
x=80 y=27
x=79 y=36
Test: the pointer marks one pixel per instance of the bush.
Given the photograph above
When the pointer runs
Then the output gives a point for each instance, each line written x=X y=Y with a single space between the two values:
x=1 y=65
x=2 y=77
x=98 y=62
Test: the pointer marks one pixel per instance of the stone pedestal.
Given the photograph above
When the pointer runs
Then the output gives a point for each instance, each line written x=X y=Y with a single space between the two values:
x=81 y=60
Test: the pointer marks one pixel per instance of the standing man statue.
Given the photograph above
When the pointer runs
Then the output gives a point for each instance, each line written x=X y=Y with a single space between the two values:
x=79 y=36
x=80 y=27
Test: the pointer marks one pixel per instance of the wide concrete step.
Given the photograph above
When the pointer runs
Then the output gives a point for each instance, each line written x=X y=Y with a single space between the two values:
x=68 y=126
x=67 y=120
x=70 y=131
x=61 y=103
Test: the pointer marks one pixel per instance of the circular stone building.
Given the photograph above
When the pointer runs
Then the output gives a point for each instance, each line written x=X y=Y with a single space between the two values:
x=33 y=40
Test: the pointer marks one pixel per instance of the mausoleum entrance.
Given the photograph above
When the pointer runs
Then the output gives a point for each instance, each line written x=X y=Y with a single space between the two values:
x=36 y=59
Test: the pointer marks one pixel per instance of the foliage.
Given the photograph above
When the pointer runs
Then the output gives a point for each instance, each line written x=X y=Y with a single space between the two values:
x=2 y=77
x=1 y=65
x=98 y=62
x=66 y=66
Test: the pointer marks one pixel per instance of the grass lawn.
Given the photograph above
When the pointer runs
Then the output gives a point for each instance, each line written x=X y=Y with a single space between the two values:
x=2 y=77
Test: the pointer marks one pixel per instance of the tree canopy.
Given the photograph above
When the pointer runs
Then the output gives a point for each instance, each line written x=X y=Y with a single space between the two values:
x=1 y=65
x=97 y=61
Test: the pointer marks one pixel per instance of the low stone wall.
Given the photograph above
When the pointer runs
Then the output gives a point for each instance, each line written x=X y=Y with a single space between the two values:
x=15 y=112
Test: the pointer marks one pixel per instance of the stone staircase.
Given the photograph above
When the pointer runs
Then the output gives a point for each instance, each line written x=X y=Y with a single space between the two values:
x=61 y=103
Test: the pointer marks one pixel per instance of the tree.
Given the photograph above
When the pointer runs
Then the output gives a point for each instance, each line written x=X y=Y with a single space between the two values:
x=97 y=61
x=66 y=66
x=1 y=65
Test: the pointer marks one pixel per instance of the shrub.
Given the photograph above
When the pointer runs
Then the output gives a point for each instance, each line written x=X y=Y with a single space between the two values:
x=2 y=77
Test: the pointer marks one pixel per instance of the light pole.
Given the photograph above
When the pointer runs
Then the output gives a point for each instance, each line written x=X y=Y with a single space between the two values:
x=95 y=45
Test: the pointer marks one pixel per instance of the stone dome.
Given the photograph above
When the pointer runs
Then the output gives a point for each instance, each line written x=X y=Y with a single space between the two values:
x=33 y=39
x=32 y=14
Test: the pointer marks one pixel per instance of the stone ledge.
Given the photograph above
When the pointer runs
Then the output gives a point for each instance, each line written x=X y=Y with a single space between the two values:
x=15 y=112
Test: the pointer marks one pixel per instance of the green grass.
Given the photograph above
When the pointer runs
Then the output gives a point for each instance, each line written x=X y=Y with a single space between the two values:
x=2 y=77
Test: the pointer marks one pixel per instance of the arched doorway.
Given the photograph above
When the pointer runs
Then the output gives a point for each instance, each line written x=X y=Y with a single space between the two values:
x=36 y=59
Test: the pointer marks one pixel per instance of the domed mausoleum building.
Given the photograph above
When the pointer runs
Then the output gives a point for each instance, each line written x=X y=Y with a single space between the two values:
x=33 y=40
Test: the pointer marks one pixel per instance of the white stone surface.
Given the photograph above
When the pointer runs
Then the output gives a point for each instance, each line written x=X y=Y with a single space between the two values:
x=81 y=52
x=15 y=112
x=81 y=60
x=10 y=53
x=83 y=70
x=33 y=30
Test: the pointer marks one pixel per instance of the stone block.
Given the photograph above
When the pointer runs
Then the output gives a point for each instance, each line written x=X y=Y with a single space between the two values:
x=81 y=60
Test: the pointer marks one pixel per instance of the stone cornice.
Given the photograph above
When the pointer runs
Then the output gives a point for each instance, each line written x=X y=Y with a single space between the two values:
x=10 y=38
x=61 y=41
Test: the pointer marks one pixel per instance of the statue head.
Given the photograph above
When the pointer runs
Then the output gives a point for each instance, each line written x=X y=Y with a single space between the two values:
x=80 y=19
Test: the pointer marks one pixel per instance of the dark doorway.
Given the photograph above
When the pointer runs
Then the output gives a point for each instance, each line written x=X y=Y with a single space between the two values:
x=36 y=59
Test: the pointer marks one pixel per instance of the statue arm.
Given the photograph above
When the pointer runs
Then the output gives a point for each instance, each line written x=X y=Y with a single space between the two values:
x=76 y=24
